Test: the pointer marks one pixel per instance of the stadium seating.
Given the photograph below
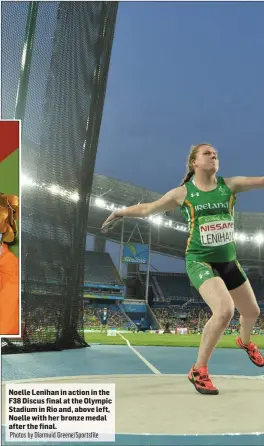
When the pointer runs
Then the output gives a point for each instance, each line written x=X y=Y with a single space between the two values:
x=175 y=300
x=100 y=269
x=257 y=285
x=176 y=289
x=116 y=317
x=174 y=285
x=137 y=312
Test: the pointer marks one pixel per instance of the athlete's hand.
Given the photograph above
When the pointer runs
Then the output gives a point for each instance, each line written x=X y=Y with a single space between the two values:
x=110 y=218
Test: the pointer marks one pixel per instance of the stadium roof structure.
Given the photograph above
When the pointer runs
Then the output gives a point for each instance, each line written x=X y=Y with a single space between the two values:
x=169 y=232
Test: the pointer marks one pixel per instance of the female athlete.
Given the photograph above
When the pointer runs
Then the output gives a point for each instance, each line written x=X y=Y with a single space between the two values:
x=207 y=203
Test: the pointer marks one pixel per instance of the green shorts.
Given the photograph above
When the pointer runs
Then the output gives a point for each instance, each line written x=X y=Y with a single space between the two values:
x=231 y=272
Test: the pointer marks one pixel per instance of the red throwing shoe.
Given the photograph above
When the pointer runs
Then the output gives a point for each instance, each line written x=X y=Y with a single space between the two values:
x=253 y=352
x=201 y=381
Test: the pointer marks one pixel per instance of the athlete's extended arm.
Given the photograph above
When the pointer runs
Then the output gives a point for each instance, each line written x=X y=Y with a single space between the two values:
x=244 y=184
x=169 y=201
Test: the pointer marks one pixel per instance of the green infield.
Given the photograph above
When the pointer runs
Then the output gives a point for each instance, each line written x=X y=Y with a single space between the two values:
x=166 y=340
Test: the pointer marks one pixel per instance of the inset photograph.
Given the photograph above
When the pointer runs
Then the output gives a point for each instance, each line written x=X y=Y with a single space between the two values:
x=9 y=216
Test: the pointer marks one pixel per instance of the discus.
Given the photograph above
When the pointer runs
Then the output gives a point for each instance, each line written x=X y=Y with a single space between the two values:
x=110 y=225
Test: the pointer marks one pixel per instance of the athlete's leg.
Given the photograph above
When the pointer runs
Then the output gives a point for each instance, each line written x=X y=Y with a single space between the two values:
x=246 y=303
x=242 y=294
x=217 y=297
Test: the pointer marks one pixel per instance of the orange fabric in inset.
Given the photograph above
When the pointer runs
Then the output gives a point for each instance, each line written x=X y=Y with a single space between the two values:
x=9 y=292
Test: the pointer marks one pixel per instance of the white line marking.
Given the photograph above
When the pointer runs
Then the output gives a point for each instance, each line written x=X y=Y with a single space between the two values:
x=146 y=362
x=73 y=377
x=124 y=376
x=258 y=377
x=224 y=434
x=230 y=434
x=196 y=435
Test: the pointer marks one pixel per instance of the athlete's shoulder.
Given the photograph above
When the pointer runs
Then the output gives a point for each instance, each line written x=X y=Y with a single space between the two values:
x=181 y=193
x=189 y=189
x=223 y=181
x=189 y=185
x=187 y=195
x=220 y=180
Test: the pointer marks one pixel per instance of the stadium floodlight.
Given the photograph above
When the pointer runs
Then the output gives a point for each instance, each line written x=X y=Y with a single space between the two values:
x=242 y=237
x=26 y=181
x=259 y=238
x=100 y=202
x=74 y=197
x=54 y=189
x=157 y=220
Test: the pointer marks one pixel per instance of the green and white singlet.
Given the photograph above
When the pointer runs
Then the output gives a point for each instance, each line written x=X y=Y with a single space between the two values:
x=210 y=216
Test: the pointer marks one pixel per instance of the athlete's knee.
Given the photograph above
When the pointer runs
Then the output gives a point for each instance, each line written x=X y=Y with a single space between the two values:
x=252 y=313
x=224 y=315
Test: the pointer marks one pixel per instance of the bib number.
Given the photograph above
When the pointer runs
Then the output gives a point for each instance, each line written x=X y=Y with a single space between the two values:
x=216 y=230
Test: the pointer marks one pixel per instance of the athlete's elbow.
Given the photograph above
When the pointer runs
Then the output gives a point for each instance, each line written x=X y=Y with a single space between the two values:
x=146 y=210
x=149 y=209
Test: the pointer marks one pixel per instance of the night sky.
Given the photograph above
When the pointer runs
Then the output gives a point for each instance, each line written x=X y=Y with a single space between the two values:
x=180 y=73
